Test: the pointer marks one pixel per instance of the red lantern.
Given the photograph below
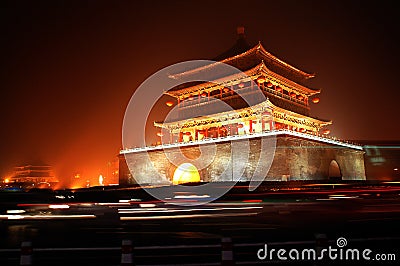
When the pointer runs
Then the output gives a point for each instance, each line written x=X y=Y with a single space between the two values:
x=169 y=104
x=240 y=126
x=241 y=85
x=293 y=94
x=261 y=80
x=315 y=100
x=226 y=90
x=204 y=94
x=188 y=133
x=326 y=132
x=300 y=97
x=254 y=121
x=278 y=89
x=269 y=84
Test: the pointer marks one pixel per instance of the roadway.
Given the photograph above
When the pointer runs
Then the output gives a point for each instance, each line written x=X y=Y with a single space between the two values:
x=76 y=227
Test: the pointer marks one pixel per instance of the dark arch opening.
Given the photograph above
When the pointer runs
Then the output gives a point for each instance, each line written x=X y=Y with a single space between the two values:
x=334 y=171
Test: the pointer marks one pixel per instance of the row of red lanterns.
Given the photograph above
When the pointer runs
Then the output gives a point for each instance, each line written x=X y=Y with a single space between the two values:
x=269 y=84
x=300 y=97
x=325 y=132
x=279 y=89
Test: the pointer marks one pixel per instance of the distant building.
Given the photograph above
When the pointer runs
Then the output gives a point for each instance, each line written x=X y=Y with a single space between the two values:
x=32 y=176
x=382 y=160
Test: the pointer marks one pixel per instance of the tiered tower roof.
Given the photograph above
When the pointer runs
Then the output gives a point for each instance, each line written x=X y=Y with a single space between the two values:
x=257 y=73
x=245 y=57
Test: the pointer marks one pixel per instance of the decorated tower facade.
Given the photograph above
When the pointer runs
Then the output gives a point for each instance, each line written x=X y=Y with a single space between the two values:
x=263 y=97
x=286 y=98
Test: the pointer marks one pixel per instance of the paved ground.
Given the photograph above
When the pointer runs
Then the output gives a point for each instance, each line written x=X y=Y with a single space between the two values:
x=72 y=231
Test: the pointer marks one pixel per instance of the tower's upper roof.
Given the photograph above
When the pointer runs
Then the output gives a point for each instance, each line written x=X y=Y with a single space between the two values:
x=244 y=57
x=199 y=87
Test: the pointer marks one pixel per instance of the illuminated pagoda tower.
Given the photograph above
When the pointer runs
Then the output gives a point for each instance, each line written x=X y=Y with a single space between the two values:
x=303 y=148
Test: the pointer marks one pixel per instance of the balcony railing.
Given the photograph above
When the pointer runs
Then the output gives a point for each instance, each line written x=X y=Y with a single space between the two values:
x=199 y=100
x=309 y=136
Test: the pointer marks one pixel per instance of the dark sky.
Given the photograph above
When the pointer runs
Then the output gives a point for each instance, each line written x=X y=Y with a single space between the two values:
x=69 y=68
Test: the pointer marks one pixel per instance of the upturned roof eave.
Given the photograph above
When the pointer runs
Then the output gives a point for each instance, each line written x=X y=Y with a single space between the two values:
x=257 y=70
x=259 y=48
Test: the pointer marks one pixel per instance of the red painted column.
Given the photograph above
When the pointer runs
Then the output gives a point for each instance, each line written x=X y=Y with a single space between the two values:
x=180 y=137
x=251 y=126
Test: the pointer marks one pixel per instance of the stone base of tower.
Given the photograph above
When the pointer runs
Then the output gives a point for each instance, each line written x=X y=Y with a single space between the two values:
x=294 y=158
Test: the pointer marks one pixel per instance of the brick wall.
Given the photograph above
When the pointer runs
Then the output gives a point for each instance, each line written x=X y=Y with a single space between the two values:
x=294 y=159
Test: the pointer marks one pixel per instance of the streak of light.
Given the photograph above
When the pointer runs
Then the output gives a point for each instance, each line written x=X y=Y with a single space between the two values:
x=162 y=210
x=333 y=184
x=252 y=201
x=125 y=211
x=84 y=204
x=191 y=196
x=327 y=199
x=59 y=206
x=242 y=208
x=15 y=211
x=46 y=217
x=113 y=204
x=147 y=205
x=11 y=217
x=342 y=197
x=185 y=216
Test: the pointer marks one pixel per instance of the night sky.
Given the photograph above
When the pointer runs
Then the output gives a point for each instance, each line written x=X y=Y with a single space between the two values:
x=69 y=68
